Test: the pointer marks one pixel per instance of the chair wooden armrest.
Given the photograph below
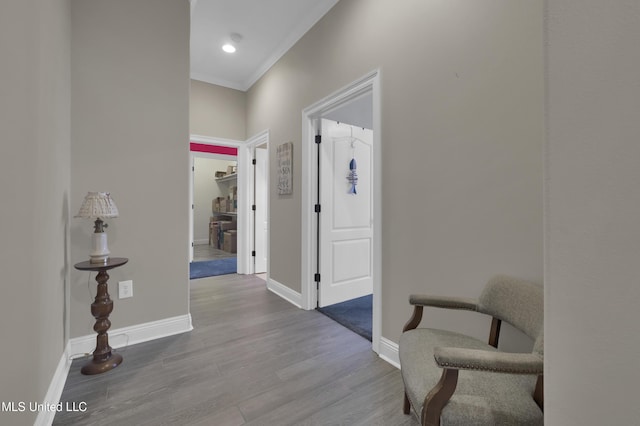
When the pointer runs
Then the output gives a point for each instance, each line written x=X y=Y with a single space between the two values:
x=420 y=300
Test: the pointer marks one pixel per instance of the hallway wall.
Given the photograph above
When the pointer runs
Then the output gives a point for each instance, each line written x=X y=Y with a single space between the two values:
x=130 y=136
x=592 y=198
x=462 y=137
x=217 y=112
x=35 y=185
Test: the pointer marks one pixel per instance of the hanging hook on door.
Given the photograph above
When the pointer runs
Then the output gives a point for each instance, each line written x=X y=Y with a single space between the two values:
x=353 y=176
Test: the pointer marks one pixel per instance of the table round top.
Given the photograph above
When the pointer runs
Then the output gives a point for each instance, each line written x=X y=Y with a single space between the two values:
x=112 y=262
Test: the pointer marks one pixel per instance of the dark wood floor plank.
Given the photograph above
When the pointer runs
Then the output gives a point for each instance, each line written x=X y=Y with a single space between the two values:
x=252 y=359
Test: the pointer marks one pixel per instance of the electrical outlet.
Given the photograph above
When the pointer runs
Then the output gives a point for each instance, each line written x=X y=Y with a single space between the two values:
x=125 y=289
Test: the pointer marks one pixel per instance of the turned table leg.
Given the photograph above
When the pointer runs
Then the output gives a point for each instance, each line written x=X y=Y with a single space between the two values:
x=103 y=359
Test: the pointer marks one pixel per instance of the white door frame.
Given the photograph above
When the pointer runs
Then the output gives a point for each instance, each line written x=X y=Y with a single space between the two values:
x=310 y=115
x=244 y=172
x=248 y=237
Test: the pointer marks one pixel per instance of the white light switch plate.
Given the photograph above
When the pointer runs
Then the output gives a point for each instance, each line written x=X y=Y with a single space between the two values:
x=125 y=289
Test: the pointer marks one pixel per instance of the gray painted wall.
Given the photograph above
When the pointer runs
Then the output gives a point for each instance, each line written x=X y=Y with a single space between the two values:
x=462 y=138
x=592 y=196
x=129 y=136
x=34 y=185
x=217 y=111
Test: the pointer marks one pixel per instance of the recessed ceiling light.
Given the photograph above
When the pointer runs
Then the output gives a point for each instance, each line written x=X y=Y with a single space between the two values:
x=232 y=42
x=229 y=48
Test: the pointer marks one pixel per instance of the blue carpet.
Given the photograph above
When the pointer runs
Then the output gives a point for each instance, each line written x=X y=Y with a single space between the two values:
x=210 y=268
x=354 y=314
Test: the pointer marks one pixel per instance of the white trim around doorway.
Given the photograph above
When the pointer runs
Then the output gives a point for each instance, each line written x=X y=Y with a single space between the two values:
x=244 y=162
x=369 y=83
x=248 y=237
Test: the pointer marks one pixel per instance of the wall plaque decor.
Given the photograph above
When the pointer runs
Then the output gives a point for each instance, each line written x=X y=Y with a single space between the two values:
x=284 y=155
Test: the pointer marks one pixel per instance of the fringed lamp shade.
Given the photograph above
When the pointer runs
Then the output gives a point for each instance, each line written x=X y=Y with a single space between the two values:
x=98 y=206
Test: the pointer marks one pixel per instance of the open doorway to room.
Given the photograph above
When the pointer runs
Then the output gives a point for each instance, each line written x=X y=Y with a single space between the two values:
x=341 y=229
x=239 y=212
x=214 y=224
x=345 y=237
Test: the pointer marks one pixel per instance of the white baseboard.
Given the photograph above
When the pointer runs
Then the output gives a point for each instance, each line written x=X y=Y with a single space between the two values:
x=199 y=242
x=45 y=417
x=118 y=338
x=388 y=348
x=125 y=336
x=389 y=352
x=285 y=292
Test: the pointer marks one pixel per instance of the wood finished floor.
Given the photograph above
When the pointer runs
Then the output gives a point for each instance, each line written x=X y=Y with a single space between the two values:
x=252 y=359
x=207 y=252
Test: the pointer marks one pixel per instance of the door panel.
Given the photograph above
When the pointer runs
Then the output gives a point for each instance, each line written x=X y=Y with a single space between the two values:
x=346 y=219
x=260 y=217
x=351 y=260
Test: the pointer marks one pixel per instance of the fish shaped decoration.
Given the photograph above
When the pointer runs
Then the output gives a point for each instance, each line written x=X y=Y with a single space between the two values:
x=353 y=176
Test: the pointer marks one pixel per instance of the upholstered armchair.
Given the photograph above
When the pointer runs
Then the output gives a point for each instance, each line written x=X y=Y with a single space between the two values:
x=453 y=379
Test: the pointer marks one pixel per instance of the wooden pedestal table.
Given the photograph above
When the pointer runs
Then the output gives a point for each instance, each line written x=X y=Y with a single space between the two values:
x=103 y=359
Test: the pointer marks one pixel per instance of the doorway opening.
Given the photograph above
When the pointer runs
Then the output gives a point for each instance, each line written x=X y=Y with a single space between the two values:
x=345 y=222
x=341 y=230
x=241 y=195
x=214 y=211
x=213 y=206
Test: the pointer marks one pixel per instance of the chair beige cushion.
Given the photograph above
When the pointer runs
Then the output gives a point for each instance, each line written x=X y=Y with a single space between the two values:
x=481 y=398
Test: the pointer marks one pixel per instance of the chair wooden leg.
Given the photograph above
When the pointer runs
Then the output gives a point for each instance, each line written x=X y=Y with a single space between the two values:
x=538 y=395
x=438 y=397
x=406 y=407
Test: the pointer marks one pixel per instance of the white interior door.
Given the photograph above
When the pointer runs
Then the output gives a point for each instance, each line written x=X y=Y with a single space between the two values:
x=191 y=205
x=260 y=217
x=346 y=219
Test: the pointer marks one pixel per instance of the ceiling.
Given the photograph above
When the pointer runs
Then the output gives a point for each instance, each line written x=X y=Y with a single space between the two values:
x=269 y=28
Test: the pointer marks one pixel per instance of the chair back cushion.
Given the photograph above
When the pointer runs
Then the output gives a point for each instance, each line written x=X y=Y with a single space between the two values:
x=518 y=302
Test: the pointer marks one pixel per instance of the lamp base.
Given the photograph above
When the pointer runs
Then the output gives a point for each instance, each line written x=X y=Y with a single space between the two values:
x=99 y=260
x=100 y=252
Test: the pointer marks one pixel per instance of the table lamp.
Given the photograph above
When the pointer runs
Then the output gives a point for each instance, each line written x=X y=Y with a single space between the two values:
x=98 y=206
